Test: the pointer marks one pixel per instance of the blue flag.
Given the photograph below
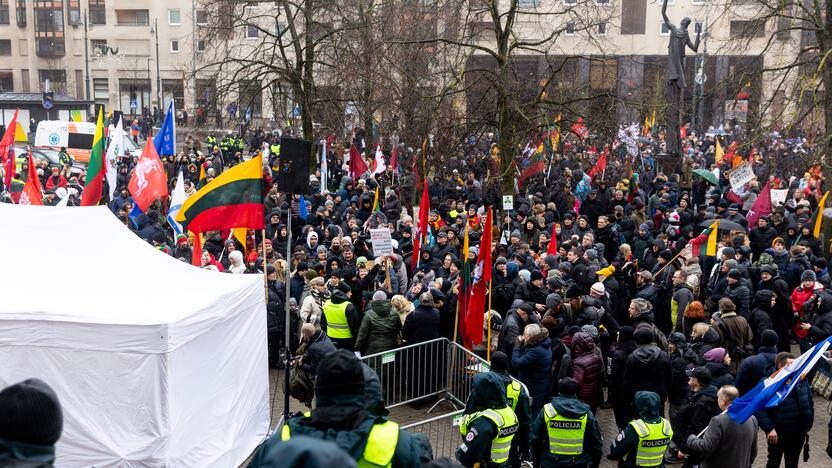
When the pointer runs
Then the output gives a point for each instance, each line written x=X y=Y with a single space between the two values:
x=771 y=391
x=303 y=213
x=165 y=140
x=133 y=215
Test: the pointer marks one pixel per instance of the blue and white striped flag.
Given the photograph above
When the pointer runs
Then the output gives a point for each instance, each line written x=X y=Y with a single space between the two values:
x=771 y=391
x=177 y=198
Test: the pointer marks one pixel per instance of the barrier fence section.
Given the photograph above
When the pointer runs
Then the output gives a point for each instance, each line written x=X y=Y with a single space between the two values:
x=418 y=372
x=443 y=432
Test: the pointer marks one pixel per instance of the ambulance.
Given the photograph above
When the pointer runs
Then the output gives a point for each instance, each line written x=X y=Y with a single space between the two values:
x=76 y=137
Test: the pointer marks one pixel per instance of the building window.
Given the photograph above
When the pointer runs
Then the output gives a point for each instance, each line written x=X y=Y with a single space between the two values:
x=633 y=16
x=699 y=2
x=527 y=3
x=570 y=28
x=174 y=46
x=602 y=29
x=49 y=29
x=200 y=46
x=133 y=17
x=5 y=47
x=252 y=32
x=56 y=78
x=6 y=80
x=202 y=17
x=24 y=80
x=99 y=46
x=4 y=11
x=20 y=13
x=607 y=2
x=101 y=90
x=570 y=2
x=174 y=17
x=250 y=99
x=98 y=12
x=663 y=29
x=747 y=29
x=73 y=9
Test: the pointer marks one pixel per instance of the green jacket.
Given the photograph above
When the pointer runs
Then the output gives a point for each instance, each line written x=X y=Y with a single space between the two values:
x=379 y=329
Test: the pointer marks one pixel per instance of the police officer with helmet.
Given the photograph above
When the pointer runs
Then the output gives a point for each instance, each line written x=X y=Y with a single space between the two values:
x=643 y=442
x=489 y=430
x=340 y=416
x=565 y=433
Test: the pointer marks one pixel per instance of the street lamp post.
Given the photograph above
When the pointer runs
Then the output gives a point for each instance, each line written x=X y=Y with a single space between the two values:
x=155 y=30
x=86 y=56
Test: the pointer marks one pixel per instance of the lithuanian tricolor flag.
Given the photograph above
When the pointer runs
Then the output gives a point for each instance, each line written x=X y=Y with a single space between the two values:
x=91 y=195
x=234 y=199
x=817 y=217
x=376 y=207
x=709 y=237
x=202 y=177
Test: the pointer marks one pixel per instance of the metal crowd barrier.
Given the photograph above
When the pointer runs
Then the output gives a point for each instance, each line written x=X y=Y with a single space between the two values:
x=435 y=368
x=443 y=432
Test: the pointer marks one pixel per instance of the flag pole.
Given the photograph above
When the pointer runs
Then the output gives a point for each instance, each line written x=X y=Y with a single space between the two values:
x=265 y=272
x=287 y=320
x=488 y=333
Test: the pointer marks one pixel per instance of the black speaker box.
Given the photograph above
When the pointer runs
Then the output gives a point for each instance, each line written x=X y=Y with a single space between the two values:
x=293 y=163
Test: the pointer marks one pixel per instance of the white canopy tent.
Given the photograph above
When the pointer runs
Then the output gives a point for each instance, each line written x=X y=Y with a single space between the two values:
x=156 y=363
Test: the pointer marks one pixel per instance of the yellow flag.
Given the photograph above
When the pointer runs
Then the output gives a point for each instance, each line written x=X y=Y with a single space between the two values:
x=240 y=235
x=653 y=119
x=465 y=246
x=20 y=133
x=375 y=201
x=819 y=215
x=710 y=249
x=719 y=152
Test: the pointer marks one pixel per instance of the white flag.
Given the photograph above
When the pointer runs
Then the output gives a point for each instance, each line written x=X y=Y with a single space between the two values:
x=114 y=151
x=177 y=198
x=324 y=170
x=379 y=164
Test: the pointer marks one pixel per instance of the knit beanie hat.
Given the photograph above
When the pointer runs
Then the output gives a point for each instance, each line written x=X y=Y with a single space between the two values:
x=30 y=412
x=735 y=274
x=536 y=275
x=567 y=386
x=499 y=361
x=769 y=338
x=310 y=275
x=715 y=355
x=380 y=295
x=591 y=254
x=340 y=373
x=808 y=275
x=644 y=335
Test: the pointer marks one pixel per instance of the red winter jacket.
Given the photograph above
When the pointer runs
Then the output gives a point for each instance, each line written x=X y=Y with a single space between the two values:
x=799 y=297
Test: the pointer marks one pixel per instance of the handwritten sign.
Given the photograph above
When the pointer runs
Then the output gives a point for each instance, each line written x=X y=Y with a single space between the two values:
x=740 y=176
x=508 y=202
x=382 y=242
x=778 y=197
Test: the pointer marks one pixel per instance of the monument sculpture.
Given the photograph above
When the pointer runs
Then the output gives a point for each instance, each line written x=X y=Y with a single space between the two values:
x=675 y=78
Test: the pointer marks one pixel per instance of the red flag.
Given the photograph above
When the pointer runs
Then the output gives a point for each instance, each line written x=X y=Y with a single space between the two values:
x=579 y=129
x=6 y=143
x=424 y=213
x=728 y=158
x=32 y=191
x=553 y=241
x=149 y=181
x=683 y=132
x=357 y=165
x=600 y=165
x=733 y=197
x=474 y=316
x=196 y=255
x=761 y=207
x=394 y=156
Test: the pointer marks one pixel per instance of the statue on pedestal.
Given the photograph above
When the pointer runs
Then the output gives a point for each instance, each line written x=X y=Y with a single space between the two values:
x=675 y=76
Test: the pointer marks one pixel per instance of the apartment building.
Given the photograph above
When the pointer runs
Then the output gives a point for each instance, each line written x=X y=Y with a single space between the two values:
x=57 y=41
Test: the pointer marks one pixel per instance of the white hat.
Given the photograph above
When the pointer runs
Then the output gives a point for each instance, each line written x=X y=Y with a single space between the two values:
x=598 y=288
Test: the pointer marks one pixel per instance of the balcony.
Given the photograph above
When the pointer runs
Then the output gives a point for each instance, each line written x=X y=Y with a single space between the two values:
x=132 y=17
x=50 y=47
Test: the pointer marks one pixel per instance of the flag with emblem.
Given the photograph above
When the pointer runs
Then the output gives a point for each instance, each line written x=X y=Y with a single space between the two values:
x=32 y=191
x=93 y=189
x=475 y=315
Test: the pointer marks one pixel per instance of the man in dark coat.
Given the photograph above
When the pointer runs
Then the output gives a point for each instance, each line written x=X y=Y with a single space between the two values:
x=761 y=237
x=738 y=292
x=760 y=318
x=787 y=424
x=648 y=368
x=605 y=234
x=533 y=292
x=758 y=366
x=700 y=408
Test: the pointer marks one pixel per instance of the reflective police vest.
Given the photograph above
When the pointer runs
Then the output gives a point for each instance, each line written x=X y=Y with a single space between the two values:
x=336 y=320
x=380 y=448
x=506 y=422
x=566 y=435
x=653 y=439
x=513 y=391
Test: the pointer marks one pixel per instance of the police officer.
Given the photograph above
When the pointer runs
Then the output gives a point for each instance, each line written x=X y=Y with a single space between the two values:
x=518 y=400
x=565 y=433
x=64 y=159
x=341 y=320
x=643 y=442
x=489 y=430
x=340 y=416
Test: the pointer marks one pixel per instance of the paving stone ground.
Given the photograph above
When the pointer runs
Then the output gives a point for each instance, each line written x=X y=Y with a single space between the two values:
x=405 y=415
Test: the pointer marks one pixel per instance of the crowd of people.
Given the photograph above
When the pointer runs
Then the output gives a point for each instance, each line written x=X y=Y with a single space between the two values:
x=599 y=299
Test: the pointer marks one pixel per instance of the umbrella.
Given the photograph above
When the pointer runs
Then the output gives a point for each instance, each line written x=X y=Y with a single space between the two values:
x=724 y=225
x=707 y=175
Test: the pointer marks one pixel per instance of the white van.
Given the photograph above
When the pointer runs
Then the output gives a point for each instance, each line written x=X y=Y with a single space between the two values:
x=76 y=137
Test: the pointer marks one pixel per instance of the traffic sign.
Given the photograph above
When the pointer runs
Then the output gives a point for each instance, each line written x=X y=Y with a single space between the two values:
x=133 y=104
x=48 y=100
